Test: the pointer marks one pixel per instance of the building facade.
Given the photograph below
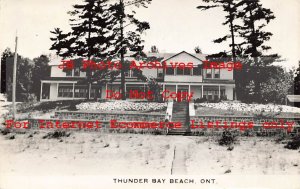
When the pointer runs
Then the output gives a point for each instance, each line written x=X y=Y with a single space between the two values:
x=201 y=83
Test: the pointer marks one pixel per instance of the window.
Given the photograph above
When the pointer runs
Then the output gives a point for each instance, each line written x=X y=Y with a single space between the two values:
x=77 y=71
x=135 y=73
x=211 y=94
x=132 y=89
x=170 y=71
x=197 y=70
x=131 y=73
x=179 y=71
x=69 y=72
x=93 y=92
x=208 y=73
x=160 y=73
x=65 y=90
x=187 y=71
x=80 y=91
x=217 y=73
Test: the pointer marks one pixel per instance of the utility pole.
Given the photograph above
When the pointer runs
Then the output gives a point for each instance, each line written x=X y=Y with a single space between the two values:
x=123 y=92
x=15 y=79
x=1 y=74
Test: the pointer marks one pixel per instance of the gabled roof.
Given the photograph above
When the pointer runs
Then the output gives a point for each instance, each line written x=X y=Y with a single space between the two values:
x=200 y=57
x=56 y=60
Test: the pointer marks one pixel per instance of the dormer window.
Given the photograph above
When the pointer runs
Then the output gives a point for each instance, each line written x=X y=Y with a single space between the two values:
x=197 y=70
x=69 y=73
x=208 y=73
x=187 y=71
x=77 y=72
x=180 y=71
x=217 y=73
x=170 y=71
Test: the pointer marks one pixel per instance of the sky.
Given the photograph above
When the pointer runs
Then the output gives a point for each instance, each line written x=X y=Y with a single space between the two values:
x=176 y=25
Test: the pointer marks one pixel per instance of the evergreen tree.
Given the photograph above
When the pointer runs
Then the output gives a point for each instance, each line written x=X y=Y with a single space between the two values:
x=4 y=57
x=154 y=49
x=40 y=71
x=255 y=17
x=277 y=84
x=230 y=7
x=127 y=40
x=198 y=50
x=297 y=81
x=90 y=35
x=251 y=50
x=24 y=83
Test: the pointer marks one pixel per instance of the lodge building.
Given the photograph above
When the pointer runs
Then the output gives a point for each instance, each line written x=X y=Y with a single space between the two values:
x=208 y=83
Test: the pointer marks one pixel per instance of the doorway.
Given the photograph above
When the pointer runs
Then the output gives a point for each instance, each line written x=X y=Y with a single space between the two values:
x=182 y=95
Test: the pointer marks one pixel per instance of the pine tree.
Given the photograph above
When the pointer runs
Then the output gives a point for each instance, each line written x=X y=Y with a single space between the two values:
x=255 y=17
x=127 y=40
x=4 y=58
x=297 y=81
x=24 y=84
x=90 y=35
x=230 y=7
x=198 y=50
x=41 y=70
x=154 y=49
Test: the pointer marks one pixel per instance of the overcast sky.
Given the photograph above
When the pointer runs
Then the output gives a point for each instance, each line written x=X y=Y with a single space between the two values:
x=176 y=25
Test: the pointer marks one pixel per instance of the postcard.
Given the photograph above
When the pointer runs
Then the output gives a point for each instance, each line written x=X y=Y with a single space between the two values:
x=118 y=94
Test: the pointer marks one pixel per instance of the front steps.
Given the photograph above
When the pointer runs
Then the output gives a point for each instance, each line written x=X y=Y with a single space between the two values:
x=180 y=114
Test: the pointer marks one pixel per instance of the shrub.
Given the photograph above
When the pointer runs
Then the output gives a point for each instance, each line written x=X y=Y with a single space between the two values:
x=294 y=144
x=223 y=97
x=216 y=100
x=157 y=132
x=5 y=131
x=57 y=134
x=227 y=138
x=200 y=100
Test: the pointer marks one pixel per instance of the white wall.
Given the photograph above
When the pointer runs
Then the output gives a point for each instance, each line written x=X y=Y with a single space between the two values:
x=149 y=72
x=53 y=91
x=183 y=78
x=225 y=74
x=103 y=92
x=229 y=92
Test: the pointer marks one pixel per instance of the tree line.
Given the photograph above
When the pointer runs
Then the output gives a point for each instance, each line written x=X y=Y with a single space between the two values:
x=29 y=75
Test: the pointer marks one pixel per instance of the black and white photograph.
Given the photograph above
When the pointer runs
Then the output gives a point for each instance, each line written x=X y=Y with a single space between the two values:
x=150 y=94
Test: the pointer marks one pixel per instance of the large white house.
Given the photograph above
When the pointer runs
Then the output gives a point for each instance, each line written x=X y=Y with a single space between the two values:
x=208 y=83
